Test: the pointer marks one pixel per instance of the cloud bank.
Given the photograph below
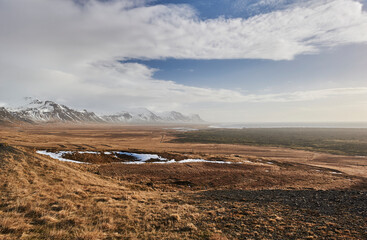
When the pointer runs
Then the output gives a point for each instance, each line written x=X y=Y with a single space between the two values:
x=75 y=52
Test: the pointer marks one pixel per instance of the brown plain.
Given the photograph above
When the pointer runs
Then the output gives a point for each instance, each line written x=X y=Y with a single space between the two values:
x=274 y=193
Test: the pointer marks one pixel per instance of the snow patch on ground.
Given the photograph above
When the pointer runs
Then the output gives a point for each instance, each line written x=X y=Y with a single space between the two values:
x=183 y=129
x=141 y=158
x=59 y=157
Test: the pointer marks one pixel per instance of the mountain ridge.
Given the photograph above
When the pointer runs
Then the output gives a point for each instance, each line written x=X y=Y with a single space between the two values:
x=37 y=111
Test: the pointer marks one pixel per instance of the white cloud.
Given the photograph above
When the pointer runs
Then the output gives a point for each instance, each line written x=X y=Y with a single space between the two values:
x=61 y=50
x=135 y=81
x=100 y=31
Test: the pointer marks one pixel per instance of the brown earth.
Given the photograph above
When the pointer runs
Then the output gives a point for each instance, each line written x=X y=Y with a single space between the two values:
x=275 y=193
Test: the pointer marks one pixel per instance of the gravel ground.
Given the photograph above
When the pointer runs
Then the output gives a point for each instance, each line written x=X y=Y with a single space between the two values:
x=286 y=214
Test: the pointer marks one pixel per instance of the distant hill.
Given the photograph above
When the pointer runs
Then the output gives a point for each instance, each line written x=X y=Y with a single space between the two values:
x=37 y=111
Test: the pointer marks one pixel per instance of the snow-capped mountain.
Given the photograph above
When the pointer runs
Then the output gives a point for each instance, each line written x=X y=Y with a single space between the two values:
x=142 y=115
x=37 y=111
x=49 y=111
x=134 y=115
x=174 y=116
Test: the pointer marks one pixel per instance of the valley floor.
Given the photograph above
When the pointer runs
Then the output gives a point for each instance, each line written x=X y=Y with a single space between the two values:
x=276 y=193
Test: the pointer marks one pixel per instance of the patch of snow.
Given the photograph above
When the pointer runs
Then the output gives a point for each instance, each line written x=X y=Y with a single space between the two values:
x=142 y=158
x=59 y=157
x=89 y=152
x=183 y=129
x=203 y=160
x=184 y=161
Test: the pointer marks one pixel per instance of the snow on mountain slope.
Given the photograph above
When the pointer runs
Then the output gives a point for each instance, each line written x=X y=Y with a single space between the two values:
x=6 y=116
x=174 y=116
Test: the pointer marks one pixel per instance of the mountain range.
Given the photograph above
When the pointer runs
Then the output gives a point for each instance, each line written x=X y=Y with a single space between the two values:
x=37 y=111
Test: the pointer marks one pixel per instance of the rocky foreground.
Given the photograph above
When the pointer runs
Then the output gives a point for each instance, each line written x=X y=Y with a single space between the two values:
x=289 y=214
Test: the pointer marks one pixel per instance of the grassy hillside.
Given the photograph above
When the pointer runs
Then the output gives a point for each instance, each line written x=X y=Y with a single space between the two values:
x=46 y=199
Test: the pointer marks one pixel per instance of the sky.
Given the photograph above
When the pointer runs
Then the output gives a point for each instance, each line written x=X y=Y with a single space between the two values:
x=227 y=60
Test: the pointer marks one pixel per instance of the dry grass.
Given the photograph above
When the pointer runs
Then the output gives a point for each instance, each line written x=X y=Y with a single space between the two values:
x=45 y=199
x=42 y=198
